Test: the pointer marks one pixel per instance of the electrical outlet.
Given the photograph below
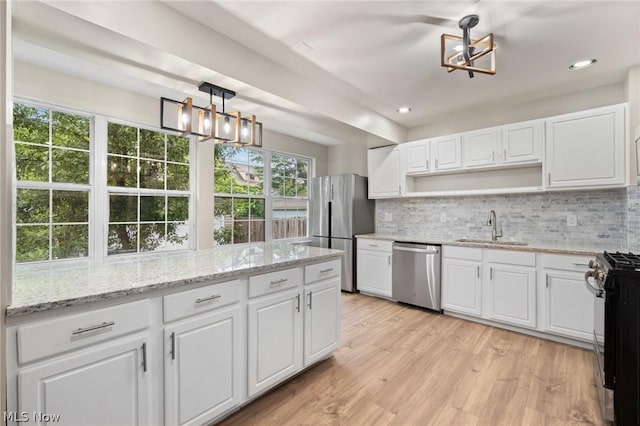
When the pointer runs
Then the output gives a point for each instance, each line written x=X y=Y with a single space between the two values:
x=443 y=217
x=572 y=220
x=388 y=217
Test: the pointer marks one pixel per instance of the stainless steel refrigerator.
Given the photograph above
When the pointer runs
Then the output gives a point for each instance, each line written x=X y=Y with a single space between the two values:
x=340 y=210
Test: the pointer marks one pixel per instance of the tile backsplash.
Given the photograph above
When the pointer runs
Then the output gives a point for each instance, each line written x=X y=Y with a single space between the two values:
x=606 y=219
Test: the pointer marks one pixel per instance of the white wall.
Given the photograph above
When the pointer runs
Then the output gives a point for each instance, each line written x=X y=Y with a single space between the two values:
x=347 y=158
x=495 y=114
x=632 y=95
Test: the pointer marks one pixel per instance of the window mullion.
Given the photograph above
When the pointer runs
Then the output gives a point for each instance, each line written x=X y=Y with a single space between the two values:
x=268 y=205
x=99 y=228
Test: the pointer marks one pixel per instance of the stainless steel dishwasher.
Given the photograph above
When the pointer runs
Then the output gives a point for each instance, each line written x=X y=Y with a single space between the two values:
x=416 y=274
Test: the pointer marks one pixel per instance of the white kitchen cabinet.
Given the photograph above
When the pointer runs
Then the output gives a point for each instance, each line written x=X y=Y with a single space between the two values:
x=383 y=166
x=203 y=367
x=446 y=152
x=321 y=319
x=511 y=294
x=275 y=346
x=586 y=149
x=568 y=305
x=462 y=280
x=417 y=156
x=107 y=384
x=374 y=266
x=479 y=147
x=522 y=142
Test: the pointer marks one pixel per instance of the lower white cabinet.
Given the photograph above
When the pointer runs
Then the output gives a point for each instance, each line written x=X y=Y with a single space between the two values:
x=569 y=308
x=104 y=385
x=374 y=266
x=321 y=320
x=202 y=367
x=511 y=294
x=274 y=339
x=462 y=286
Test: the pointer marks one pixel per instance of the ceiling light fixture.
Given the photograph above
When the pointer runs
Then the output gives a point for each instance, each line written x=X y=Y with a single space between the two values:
x=207 y=123
x=454 y=56
x=403 y=110
x=582 y=64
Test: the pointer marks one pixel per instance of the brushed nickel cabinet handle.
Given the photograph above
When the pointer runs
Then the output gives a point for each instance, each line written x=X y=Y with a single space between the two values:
x=144 y=357
x=278 y=282
x=427 y=164
x=490 y=273
x=478 y=271
x=298 y=302
x=324 y=271
x=548 y=178
x=547 y=280
x=173 y=345
x=93 y=328
x=504 y=158
x=206 y=299
x=436 y=163
x=580 y=264
x=493 y=156
x=310 y=299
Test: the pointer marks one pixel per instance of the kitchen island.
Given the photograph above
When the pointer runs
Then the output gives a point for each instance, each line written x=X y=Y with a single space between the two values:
x=169 y=338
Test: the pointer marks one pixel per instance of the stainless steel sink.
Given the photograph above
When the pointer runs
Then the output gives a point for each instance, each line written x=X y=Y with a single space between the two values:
x=503 y=243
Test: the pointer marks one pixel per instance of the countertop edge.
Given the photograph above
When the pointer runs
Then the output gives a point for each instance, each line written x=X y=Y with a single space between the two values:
x=13 y=312
x=529 y=248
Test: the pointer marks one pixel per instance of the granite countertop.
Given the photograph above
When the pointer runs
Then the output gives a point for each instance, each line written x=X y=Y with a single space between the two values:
x=44 y=286
x=554 y=248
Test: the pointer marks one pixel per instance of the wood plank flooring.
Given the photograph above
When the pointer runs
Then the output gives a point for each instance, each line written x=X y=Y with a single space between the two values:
x=398 y=365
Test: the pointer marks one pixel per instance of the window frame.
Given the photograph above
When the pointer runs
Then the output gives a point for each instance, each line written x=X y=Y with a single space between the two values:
x=268 y=197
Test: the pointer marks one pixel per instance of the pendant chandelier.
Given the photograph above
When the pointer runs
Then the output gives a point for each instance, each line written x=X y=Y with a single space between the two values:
x=465 y=53
x=207 y=123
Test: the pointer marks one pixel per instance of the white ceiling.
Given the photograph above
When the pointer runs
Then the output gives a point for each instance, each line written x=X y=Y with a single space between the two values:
x=332 y=71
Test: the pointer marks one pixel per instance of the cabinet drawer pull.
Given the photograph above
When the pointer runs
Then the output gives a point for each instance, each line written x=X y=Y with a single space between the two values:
x=173 y=345
x=548 y=178
x=427 y=164
x=547 y=280
x=493 y=156
x=324 y=271
x=580 y=264
x=298 y=302
x=504 y=158
x=144 y=357
x=436 y=163
x=206 y=299
x=278 y=282
x=490 y=273
x=310 y=299
x=478 y=271
x=373 y=245
x=93 y=327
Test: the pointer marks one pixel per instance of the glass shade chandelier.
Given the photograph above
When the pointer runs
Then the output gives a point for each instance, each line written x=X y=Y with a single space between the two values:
x=207 y=123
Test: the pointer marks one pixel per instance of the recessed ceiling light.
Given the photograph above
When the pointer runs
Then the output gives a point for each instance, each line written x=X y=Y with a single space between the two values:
x=582 y=64
x=403 y=110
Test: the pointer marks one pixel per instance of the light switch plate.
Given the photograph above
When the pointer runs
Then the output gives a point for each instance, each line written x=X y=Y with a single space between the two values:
x=572 y=220
x=443 y=217
x=388 y=217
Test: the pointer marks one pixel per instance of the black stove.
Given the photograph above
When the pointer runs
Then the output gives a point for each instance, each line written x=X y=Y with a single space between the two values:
x=617 y=278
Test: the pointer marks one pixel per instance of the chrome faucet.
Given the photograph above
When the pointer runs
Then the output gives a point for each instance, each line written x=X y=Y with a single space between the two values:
x=492 y=221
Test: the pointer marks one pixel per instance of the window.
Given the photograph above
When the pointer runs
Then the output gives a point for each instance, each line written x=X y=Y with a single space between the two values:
x=239 y=202
x=53 y=158
x=148 y=186
x=289 y=183
x=244 y=211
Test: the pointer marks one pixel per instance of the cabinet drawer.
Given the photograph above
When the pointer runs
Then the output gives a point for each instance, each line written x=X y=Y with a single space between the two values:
x=321 y=271
x=465 y=253
x=51 y=337
x=379 y=245
x=200 y=300
x=521 y=258
x=566 y=262
x=274 y=281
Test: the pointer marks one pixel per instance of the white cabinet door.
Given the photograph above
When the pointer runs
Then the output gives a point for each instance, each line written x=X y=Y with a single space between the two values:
x=446 y=152
x=586 y=149
x=374 y=272
x=479 y=148
x=522 y=142
x=418 y=156
x=569 y=309
x=462 y=286
x=274 y=339
x=384 y=172
x=321 y=320
x=202 y=367
x=511 y=295
x=108 y=385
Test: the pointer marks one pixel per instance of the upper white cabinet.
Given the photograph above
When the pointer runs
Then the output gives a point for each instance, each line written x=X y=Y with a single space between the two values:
x=479 y=147
x=586 y=149
x=418 y=156
x=446 y=152
x=522 y=142
x=384 y=172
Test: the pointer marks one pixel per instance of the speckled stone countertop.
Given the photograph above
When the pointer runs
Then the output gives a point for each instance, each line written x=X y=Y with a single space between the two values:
x=554 y=248
x=46 y=286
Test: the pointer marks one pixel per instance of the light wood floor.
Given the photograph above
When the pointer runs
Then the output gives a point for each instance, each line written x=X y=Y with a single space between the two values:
x=398 y=365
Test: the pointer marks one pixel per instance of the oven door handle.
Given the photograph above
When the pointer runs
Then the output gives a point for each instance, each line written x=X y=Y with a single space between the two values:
x=596 y=291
